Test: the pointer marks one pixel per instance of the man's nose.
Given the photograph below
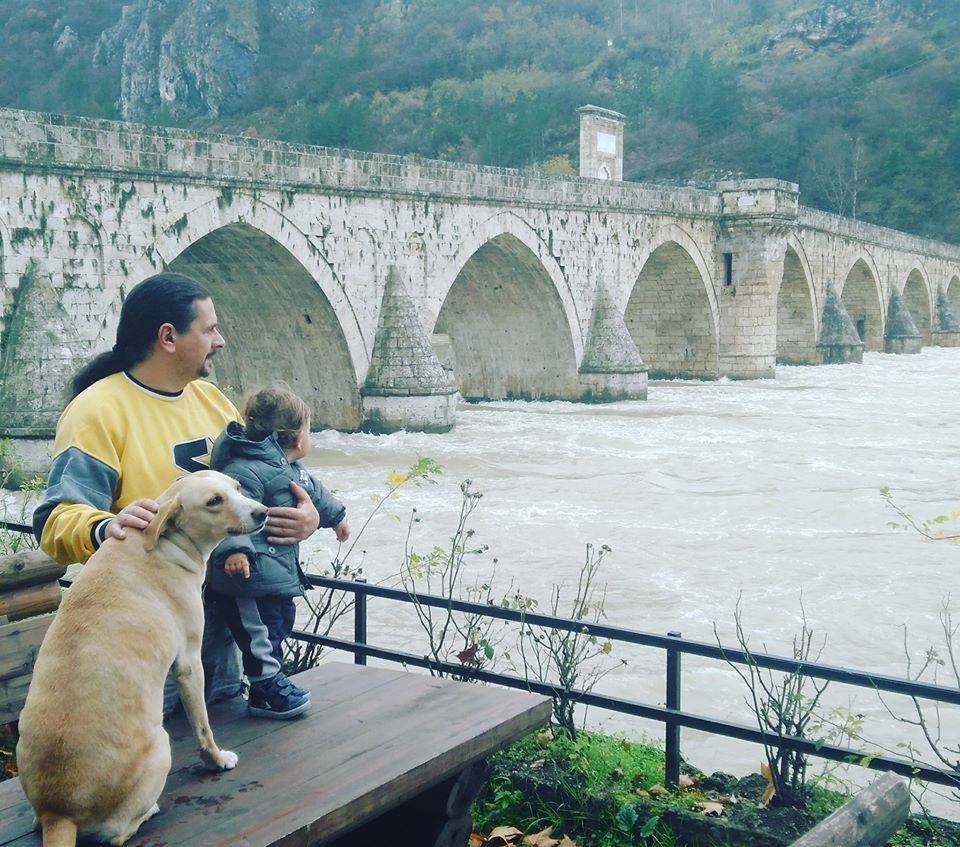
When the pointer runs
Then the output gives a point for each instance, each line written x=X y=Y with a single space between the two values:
x=218 y=341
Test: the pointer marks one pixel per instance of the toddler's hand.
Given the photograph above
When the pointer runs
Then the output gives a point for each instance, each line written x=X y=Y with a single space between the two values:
x=342 y=531
x=237 y=564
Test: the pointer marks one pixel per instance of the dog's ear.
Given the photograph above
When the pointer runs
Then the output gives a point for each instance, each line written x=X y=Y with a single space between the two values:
x=166 y=519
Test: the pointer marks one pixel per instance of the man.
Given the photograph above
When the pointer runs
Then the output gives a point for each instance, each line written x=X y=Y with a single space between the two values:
x=141 y=416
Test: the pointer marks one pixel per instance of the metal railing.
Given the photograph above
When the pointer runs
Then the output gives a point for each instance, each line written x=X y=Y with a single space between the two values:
x=671 y=714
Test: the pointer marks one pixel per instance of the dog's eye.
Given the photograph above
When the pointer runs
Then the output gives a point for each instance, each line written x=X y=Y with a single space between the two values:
x=214 y=501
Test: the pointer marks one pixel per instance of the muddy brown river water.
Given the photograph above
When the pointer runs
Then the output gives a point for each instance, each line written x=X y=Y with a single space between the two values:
x=769 y=489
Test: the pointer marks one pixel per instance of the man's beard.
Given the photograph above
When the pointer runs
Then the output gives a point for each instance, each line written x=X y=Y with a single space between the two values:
x=206 y=366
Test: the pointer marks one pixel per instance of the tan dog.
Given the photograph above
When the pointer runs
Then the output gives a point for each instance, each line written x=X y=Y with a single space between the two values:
x=93 y=753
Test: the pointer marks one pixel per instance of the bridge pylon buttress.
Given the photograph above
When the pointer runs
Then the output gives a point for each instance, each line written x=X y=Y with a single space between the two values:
x=406 y=386
x=946 y=322
x=751 y=246
x=612 y=368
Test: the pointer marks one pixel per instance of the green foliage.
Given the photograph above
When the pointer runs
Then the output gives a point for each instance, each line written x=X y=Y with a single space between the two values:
x=866 y=125
x=583 y=787
x=18 y=494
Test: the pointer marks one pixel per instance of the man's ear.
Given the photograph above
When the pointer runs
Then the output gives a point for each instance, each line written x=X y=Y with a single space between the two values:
x=166 y=519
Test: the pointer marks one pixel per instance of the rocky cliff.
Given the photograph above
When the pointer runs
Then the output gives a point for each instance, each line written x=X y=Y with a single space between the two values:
x=187 y=58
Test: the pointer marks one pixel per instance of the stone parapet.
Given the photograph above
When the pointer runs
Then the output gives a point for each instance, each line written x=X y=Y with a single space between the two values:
x=881 y=236
x=37 y=140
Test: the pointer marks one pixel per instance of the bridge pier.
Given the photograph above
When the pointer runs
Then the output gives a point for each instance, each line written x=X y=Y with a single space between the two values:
x=946 y=324
x=611 y=369
x=751 y=249
x=839 y=343
x=902 y=335
x=406 y=385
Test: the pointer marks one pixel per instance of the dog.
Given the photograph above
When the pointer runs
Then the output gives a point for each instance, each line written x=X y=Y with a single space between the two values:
x=93 y=754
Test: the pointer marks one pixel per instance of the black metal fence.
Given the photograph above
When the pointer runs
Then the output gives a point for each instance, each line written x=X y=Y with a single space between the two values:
x=670 y=714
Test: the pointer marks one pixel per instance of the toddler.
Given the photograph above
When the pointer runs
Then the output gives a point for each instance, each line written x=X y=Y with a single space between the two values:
x=252 y=581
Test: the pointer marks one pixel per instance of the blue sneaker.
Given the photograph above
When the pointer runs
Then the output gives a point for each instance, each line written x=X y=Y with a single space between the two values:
x=277 y=698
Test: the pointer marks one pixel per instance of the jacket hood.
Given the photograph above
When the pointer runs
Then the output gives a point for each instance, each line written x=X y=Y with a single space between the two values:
x=234 y=444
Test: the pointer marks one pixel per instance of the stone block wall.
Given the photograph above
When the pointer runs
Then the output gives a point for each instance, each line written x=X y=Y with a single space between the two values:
x=295 y=243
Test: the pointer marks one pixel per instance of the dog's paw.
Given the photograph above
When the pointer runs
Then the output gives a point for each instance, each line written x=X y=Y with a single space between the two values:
x=228 y=760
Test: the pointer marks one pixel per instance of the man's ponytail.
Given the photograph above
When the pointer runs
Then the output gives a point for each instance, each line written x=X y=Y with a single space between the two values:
x=164 y=298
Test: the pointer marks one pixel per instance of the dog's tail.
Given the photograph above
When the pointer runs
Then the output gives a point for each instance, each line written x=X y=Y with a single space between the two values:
x=59 y=832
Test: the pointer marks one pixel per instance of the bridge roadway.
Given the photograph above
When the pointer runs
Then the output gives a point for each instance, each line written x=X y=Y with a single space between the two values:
x=379 y=286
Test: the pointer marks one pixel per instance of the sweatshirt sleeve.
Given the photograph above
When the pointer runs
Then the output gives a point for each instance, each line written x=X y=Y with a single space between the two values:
x=252 y=486
x=331 y=510
x=70 y=521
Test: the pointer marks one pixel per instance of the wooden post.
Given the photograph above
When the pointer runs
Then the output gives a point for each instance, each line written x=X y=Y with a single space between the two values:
x=868 y=819
x=28 y=587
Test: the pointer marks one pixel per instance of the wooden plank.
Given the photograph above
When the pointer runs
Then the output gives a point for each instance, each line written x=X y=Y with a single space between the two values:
x=30 y=600
x=233 y=729
x=373 y=739
x=28 y=567
x=868 y=819
x=380 y=755
x=282 y=763
x=19 y=643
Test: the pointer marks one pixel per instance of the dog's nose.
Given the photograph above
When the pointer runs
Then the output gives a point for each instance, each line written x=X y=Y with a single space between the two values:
x=260 y=511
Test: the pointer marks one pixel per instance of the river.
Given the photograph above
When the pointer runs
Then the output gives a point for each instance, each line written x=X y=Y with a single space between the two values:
x=769 y=489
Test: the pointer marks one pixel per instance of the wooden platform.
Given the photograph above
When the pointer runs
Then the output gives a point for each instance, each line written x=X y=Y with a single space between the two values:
x=374 y=740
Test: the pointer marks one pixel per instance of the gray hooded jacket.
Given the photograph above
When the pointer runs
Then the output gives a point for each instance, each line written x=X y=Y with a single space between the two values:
x=264 y=474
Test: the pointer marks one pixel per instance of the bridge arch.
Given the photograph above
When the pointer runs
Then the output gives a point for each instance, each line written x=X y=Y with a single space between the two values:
x=916 y=296
x=505 y=305
x=671 y=311
x=953 y=293
x=283 y=313
x=862 y=297
x=798 y=310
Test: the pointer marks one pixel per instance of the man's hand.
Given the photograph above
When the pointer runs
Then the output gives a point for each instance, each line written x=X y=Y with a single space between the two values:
x=290 y=524
x=136 y=515
x=237 y=564
x=342 y=531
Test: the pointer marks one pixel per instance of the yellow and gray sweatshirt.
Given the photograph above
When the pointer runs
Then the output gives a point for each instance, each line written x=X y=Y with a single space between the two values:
x=120 y=441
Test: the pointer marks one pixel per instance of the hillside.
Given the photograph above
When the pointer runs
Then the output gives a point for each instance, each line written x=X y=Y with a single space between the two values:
x=854 y=99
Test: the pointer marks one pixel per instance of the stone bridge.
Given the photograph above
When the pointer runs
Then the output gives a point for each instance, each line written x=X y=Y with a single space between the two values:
x=378 y=286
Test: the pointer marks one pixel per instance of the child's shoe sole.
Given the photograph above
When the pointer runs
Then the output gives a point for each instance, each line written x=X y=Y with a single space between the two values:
x=279 y=716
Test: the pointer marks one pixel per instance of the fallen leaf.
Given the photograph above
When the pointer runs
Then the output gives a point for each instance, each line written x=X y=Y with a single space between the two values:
x=544 y=737
x=476 y=840
x=469 y=655
x=771 y=788
x=657 y=791
x=642 y=792
x=617 y=774
x=544 y=838
x=709 y=807
x=687 y=781
x=539 y=763
x=501 y=836
x=567 y=842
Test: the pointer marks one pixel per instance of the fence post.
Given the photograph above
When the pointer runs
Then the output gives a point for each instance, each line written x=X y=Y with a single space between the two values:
x=360 y=621
x=672 y=746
